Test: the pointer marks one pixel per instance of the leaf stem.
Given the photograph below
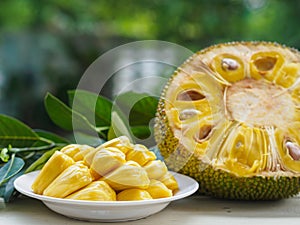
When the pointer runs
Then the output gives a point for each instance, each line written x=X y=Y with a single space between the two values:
x=9 y=168
x=38 y=148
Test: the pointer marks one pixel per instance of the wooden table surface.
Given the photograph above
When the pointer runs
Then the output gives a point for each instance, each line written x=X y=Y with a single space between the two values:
x=192 y=210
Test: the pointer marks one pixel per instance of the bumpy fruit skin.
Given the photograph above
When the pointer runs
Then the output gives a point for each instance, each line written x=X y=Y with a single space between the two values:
x=229 y=117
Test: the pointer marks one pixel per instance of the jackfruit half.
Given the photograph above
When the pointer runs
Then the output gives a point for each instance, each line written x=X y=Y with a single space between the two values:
x=230 y=118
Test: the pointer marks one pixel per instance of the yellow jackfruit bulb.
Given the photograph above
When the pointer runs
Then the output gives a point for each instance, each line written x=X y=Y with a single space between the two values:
x=107 y=159
x=84 y=151
x=266 y=65
x=122 y=143
x=71 y=150
x=95 y=191
x=89 y=156
x=156 y=169
x=129 y=175
x=158 y=190
x=57 y=163
x=140 y=154
x=288 y=75
x=70 y=180
x=133 y=194
x=229 y=67
x=169 y=180
x=76 y=151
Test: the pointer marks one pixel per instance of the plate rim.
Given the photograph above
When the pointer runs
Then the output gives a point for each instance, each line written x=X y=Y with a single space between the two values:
x=193 y=187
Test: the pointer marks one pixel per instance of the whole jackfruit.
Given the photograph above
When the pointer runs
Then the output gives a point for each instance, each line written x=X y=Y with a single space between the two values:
x=230 y=118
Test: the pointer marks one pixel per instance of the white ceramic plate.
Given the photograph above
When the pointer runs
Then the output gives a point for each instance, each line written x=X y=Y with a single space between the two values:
x=106 y=211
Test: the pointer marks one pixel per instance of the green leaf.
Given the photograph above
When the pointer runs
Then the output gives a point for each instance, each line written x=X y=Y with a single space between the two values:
x=140 y=107
x=141 y=132
x=11 y=168
x=82 y=138
x=119 y=127
x=9 y=191
x=64 y=117
x=51 y=136
x=15 y=133
x=97 y=109
x=40 y=162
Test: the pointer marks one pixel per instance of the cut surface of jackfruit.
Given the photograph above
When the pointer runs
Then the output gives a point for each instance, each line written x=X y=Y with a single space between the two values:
x=229 y=117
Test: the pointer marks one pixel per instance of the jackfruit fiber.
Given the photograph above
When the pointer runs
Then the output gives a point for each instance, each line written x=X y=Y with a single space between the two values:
x=230 y=118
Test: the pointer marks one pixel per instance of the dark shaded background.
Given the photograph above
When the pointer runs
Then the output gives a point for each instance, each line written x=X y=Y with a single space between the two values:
x=47 y=45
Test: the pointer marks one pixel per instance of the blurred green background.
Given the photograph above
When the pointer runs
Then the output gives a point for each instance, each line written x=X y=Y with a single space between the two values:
x=47 y=45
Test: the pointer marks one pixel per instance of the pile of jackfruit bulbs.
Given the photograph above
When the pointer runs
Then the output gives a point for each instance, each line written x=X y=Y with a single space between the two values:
x=114 y=171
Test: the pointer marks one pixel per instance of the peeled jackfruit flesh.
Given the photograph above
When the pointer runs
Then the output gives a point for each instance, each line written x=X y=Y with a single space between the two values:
x=122 y=143
x=157 y=189
x=229 y=117
x=133 y=194
x=129 y=175
x=57 y=163
x=169 y=180
x=76 y=151
x=95 y=191
x=140 y=154
x=107 y=159
x=70 y=180
x=99 y=173
x=156 y=169
x=71 y=150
